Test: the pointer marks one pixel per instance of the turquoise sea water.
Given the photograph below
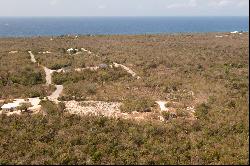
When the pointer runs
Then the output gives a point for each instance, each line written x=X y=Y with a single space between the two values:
x=46 y=26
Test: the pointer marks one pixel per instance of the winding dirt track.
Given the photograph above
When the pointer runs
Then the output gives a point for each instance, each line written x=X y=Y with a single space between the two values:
x=110 y=109
x=59 y=88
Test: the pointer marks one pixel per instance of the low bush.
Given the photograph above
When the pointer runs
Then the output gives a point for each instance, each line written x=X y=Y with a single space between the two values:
x=137 y=104
x=24 y=106
x=27 y=77
x=202 y=110
x=181 y=113
x=166 y=115
x=90 y=89
x=61 y=78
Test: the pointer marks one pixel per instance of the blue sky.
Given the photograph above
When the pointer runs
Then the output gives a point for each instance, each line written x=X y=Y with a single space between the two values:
x=124 y=7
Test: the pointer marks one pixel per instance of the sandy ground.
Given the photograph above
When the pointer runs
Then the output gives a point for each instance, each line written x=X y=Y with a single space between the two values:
x=93 y=107
x=107 y=109
x=17 y=102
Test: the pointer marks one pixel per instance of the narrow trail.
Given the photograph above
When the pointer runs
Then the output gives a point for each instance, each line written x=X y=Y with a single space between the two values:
x=59 y=88
x=127 y=69
x=74 y=106
x=54 y=96
x=109 y=109
x=35 y=107
x=48 y=72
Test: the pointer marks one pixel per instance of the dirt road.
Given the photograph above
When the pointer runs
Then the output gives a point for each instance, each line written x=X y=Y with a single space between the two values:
x=32 y=57
x=59 y=88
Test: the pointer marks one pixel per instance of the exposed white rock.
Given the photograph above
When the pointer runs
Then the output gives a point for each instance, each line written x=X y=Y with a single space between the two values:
x=234 y=32
x=47 y=52
x=162 y=105
x=87 y=68
x=70 y=49
x=13 y=105
x=18 y=102
x=161 y=118
x=191 y=109
x=110 y=109
x=32 y=57
x=13 y=52
x=83 y=49
x=18 y=112
x=60 y=70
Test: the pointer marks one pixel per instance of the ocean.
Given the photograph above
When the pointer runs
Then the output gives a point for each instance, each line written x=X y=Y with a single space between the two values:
x=55 y=26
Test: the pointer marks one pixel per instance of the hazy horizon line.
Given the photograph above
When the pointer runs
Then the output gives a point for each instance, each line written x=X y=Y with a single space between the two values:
x=132 y=16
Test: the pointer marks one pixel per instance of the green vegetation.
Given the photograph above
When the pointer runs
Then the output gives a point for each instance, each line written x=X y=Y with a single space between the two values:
x=60 y=138
x=19 y=77
x=98 y=76
x=137 y=104
x=60 y=59
x=25 y=77
x=24 y=106
x=197 y=70
x=96 y=84
x=166 y=115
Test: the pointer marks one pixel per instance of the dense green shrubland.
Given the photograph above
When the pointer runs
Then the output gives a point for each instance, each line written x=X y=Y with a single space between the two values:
x=171 y=66
x=60 y=138
x=19 y=77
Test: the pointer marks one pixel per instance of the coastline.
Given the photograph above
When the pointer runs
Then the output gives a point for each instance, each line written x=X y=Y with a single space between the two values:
x=117 y=35
x=56 y=26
